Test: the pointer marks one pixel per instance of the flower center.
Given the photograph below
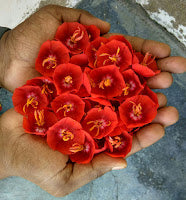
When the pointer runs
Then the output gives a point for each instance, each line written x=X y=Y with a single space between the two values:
x=113 y=58
x=77 y=35
x=66 y=135
x=30 y=101
x=136 y=109
x=116 y=141
x=106 y=82
x=39 y=117
x=98 y=124
x=66 y=107
x=46 y=90
x=126 y=89
x=50 y=62
x=146 y=59
x=68 y=80
x=76 y=148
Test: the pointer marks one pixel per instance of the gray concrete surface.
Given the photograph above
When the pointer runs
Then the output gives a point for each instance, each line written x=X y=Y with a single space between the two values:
x=155 y=173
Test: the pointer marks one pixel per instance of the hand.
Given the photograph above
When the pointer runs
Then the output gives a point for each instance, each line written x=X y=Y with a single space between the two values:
x=19 y=47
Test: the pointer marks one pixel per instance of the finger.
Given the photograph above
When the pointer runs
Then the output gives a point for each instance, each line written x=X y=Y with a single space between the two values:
x=76 y=15
x=146 y=136
x=158 y=49
x=84 y=173
x=162 y=100
x=166 y=116
x=160 y=81
x=172 y=64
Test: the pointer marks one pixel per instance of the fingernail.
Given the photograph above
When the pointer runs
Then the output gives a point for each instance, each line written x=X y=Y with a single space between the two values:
x=118 y=167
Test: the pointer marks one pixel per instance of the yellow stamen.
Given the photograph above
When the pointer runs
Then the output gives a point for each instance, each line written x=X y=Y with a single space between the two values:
x=98 y=124
x=76 y=148
x=136 y=109
x=68 y=79
x=30 y=101
x=116 y=141
x=66 y=107
x=113 y=58
x=106 y=82
x=145 y=59
x=39 y=117
x=74 y=38
x=46 y=90
x=126 y=89
x=66 y=135
x=52 y=63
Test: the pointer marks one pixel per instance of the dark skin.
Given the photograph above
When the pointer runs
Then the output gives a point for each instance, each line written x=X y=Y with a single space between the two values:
x=29 y=156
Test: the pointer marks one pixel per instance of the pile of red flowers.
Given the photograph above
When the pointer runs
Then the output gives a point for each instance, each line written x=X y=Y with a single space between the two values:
x=92 y=95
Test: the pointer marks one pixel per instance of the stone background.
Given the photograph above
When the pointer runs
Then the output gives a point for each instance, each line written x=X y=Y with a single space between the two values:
x=155 y=173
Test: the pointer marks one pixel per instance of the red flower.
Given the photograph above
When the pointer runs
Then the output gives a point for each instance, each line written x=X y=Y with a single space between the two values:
x=85 y=89
x=137 y=111
x=122 y=39
x=106 y=82
x=62 y=135
x=119 y=145
x=147 y=91
x=147 y=66
x=26 y=99
x=51 y=54
x=67 y=78
x=47 y=86
x=114 y=53
x=92 y=48
x=0 y=107
x=93 y=32
x=80 y=60
x=100 y=145
x=133 y=85
x=99 y=123
x=38 y=122
x=83 y=153
x=73 y=35
x=68 y=105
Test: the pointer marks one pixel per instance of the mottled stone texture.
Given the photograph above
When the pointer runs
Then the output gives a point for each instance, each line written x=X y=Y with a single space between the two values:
x=155 y=173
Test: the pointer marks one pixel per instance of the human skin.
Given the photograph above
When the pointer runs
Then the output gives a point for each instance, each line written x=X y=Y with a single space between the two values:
x=29 y=156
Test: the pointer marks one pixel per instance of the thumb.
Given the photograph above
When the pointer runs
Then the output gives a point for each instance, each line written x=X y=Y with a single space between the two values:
x=84 y=173
x=64 y=14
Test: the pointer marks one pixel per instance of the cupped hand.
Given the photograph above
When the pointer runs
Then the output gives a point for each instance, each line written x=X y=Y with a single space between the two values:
x=19 y=47
x=29 y=156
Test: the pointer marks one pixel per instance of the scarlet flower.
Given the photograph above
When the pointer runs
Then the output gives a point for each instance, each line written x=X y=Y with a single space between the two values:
x=100 y=122
x=80 y=60
x=148 y=92
x=100 y=145
x=93 y=32
x=122 y=39
x=147 y=66
x=114 y=53
x=67 y=78
x=119 y=145
x=51 y=54
x=68 y=105
x=133 y=85
x=47 y=86
x=0 y=107
x=106 y=82
x=92 y=48
x=73 y=35
x=26 y=99
x=38 y=122
x=62 y=135
x=85 y=89
x=137 y=111
x=83 y=153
